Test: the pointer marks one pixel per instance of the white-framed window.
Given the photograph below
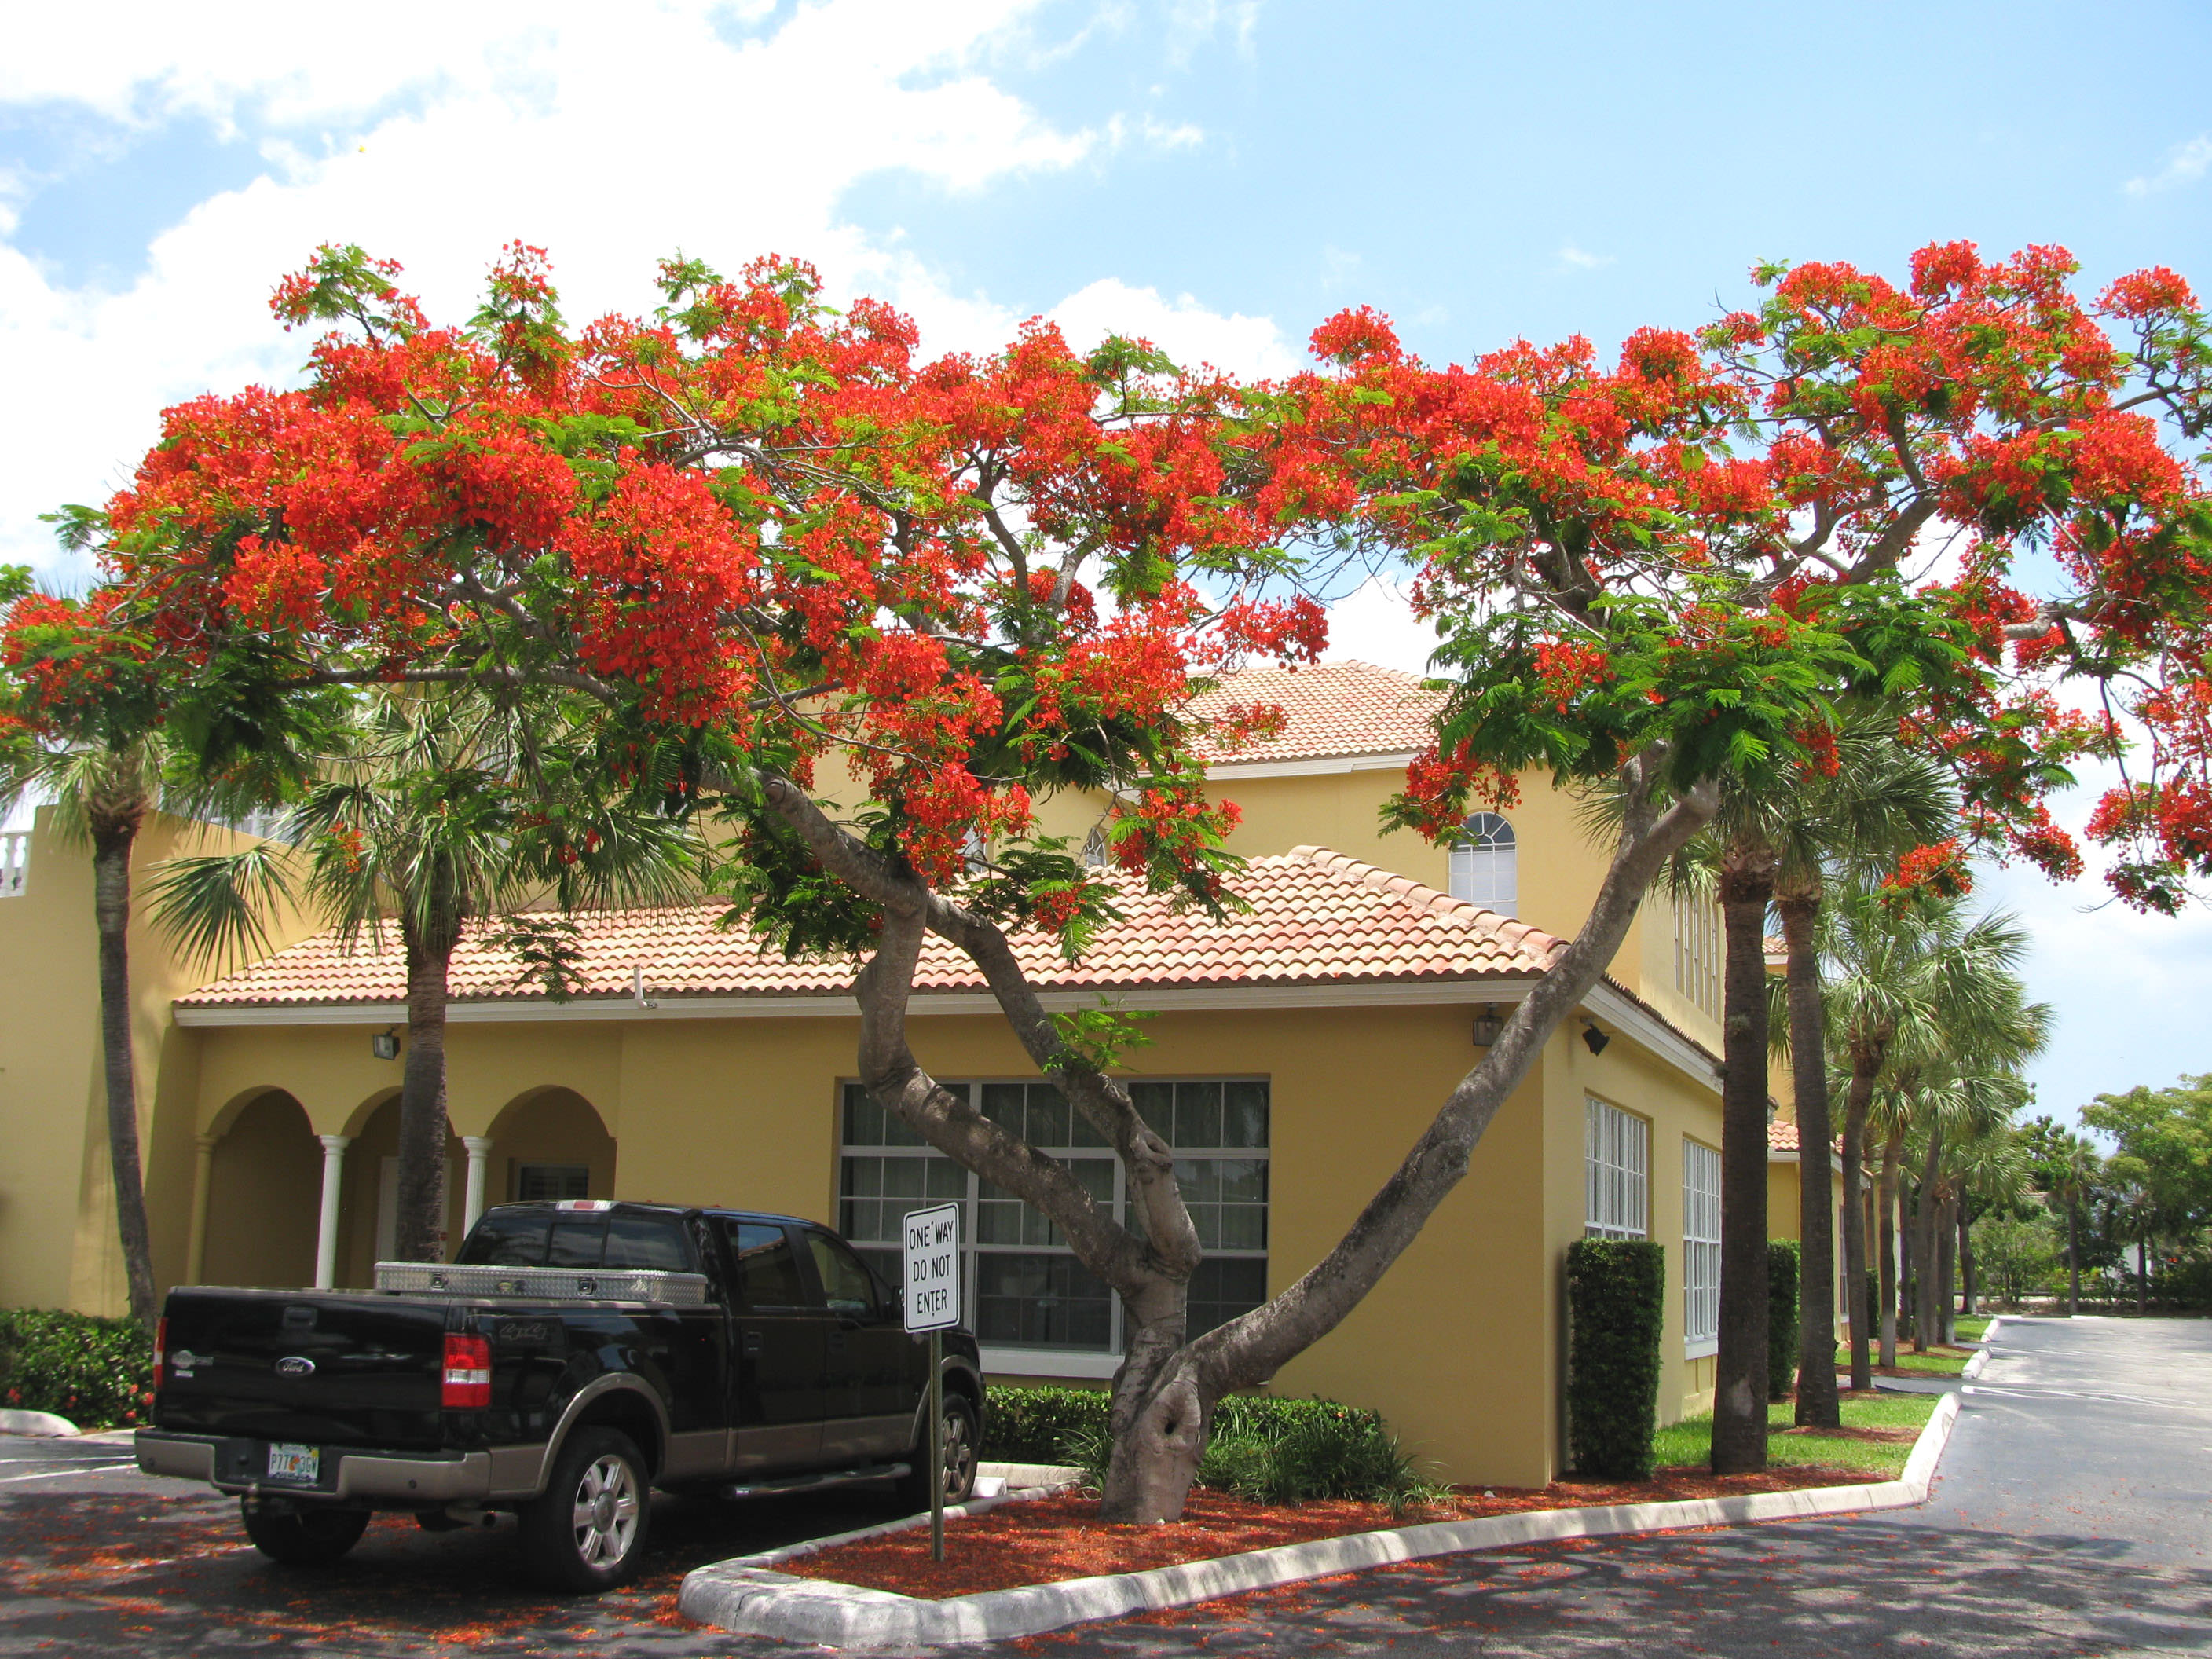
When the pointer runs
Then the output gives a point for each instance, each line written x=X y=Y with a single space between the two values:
x=1485 y=867
x=1701 y=1249
x=1616 y=1172
x=1698 y=952
x=1025 y=1290
x=1096 y=855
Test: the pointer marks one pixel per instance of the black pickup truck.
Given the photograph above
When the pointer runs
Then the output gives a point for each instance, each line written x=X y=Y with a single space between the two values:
x=574 y=1357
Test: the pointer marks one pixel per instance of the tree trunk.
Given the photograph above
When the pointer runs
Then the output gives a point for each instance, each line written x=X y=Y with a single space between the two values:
x=1165 y=1392
x=111 y=842
x=1885 y=1222
x=1817 y=1404
x=1866 y=1064
x=1947 y=1270
x=1927 y=1318
x=2073 y=1261
x=1971 y=1298
x=420 y=1233
x=2142 y=1278
x=1746 y=885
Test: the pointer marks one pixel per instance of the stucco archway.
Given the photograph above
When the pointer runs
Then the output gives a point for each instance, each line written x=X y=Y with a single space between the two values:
x=264 y=1193
x=548 y=1142
x=370 y=1207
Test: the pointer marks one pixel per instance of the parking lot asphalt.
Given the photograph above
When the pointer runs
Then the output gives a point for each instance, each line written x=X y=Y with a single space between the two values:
x=2073 y=1515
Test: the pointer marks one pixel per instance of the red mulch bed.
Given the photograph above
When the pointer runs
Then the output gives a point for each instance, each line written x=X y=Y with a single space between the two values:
x=1042 y=1539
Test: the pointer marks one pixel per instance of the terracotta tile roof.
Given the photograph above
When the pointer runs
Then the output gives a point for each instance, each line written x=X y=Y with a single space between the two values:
x=1317 y=917
x=1782 y=1137
x=1329 y=709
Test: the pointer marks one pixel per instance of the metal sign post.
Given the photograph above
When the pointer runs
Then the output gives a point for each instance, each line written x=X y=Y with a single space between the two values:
x=933 y=1305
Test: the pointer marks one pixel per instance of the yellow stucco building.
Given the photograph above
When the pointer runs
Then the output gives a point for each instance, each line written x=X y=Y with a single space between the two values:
x=1297 y=1052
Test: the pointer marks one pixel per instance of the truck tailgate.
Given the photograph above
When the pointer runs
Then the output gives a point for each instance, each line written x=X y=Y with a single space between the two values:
x=326 y=1367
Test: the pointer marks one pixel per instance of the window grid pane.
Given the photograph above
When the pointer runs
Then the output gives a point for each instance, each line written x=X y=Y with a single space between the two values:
x=1026 y=1289
x=1616 y=1172
x=1701 y=1242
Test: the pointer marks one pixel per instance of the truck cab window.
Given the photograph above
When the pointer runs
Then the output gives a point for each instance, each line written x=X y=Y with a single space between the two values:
x=767 y=1268
x=577 y=1241
x=649 y=1243
x=849 y=1287
x=507 y=1238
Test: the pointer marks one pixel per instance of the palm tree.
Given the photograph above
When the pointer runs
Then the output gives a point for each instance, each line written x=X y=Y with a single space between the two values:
x=1782 y=849
x=1847 y=826
x=1914 y=989
x=1991 y=1173
x=2069 y=1168
x=102 y=792
x=436 y=811
x=1973 y=1100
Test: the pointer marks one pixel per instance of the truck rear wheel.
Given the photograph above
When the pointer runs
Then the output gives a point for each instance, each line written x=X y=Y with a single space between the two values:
x=588 y=1532
x=302 y=1537
x=961 y=1438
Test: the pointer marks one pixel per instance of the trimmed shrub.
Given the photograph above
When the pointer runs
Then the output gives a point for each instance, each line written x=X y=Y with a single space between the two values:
x=1617 y=1304
x=1780 y=1318
x=1267 y=1450
x=98 y=1373
x=1035 y=1425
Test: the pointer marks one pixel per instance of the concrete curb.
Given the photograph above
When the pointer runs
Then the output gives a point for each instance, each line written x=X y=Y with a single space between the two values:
x=747 y=1597
x=1974 y=1366
x=43 y=1426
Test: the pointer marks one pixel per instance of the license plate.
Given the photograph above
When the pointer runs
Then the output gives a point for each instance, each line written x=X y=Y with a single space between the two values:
x=291 y=1462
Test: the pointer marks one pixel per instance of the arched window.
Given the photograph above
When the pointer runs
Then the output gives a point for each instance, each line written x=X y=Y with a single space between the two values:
x=1483 y=868
x=1096 y=855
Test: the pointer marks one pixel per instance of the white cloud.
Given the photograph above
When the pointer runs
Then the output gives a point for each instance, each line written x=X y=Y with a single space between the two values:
x=1572 y=255
x=1375 y=622
x=610 y=136
x=1185 y=330
x=2184 y=165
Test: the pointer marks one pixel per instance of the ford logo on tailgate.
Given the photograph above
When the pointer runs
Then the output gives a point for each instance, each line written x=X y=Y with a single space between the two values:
x=293 y=1364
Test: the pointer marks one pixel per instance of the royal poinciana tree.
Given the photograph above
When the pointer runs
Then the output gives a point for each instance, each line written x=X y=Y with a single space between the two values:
x=778 y=546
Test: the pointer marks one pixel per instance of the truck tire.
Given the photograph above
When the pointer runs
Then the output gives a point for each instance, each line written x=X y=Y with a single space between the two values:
x=962 y=1437
x=304 y=1537
x=588 y=1532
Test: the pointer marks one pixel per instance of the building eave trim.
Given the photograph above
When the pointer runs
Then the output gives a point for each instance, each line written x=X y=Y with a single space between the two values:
x=1313 y=767
x=838 y=1005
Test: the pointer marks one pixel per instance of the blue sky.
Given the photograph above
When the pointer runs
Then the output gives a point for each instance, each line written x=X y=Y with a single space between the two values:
x=1219 y=174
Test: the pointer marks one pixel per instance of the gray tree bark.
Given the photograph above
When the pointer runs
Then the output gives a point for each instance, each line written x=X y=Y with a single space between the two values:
x=1866 y=1065
x=1746 y=885
x=113 y=835
x=1885 y=1224
x=420 y=1235
x=1817 y=1401
x=1165 y=1392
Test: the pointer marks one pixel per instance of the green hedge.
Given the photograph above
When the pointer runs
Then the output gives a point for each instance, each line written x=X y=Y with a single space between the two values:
x=1617 y=1304
x=98 y=1373
x=1270 y=1449
x=1780 y=1318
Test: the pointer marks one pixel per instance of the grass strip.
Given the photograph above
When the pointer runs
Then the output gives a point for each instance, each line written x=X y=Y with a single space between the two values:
x=1690 y=1440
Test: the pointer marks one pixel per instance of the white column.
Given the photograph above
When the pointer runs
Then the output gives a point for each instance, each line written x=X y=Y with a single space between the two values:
x=326 y=1235
x=479 y=1148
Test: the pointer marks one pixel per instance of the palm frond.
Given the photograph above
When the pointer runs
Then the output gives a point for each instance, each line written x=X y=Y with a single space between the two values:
x=214 y=906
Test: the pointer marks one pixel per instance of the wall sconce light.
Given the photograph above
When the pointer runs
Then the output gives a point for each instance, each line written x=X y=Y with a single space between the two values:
x=1489 y=1024
x=385 y=1045
x=1593 y=1039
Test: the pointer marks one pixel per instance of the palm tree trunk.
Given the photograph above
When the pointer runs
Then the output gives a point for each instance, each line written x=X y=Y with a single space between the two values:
x=1886 y=1205
x=1925 y=1316
x=2073 y=1261
x=110 y=896
x=1739 y=1369
x=2142 y=1278
x=1864 y=1066
x=1966 y=1262
x=421 y=1234
x=1947 y=1269
x=1817 y=1404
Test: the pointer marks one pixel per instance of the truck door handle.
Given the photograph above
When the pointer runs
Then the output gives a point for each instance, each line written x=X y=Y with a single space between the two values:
x=749 y=1345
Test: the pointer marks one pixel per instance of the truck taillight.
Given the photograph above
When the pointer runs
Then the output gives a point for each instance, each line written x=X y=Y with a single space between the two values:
x=468 y=1372
x=160 y=1346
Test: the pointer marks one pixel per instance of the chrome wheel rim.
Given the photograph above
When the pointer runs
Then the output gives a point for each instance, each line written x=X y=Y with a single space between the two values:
x=604 y=1513
x=959 y=1454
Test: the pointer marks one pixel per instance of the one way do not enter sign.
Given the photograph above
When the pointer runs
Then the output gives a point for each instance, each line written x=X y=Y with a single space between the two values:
x=932 y=1268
